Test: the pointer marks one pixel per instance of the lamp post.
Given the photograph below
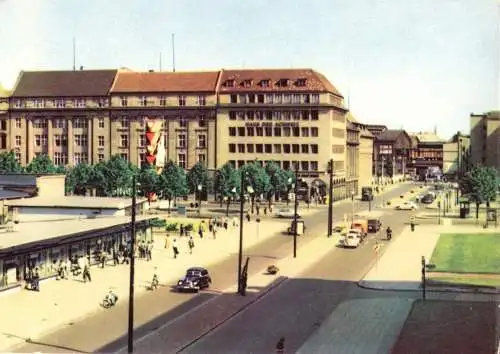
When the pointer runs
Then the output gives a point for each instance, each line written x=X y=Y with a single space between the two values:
x=296 y=205
x=352 y=204
x=130 y=338
x=241 y=289
x=200 y=187
x=330 y=198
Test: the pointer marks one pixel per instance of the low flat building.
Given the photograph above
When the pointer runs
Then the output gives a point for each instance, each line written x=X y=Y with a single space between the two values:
x=44 y=245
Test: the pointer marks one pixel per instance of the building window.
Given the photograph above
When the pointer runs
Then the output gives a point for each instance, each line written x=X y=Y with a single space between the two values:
x=202 y=158
x=314 y=148
x=39 y=103
x=277 y=115
x=17 y=104
x=268 y=149
x=100 y=140
x=141 y=140
x=40 y=123
x=60 y=140
x=287 y=131
x=103 y=102
x=295 y=148
x=286 y=165
x=259 y=131
x=181 y=160
x=182 y=100
x=296 y=115
x=260 y=98
x=60 y=123
x=241 y=115
x=81 y=140
x=3 y=125
x=286 y=115
x=269 y=115
x=305 y=115
x=241 y=148
x=232 y=115
x=250 y=131
x=269 y=131
x=277 y=98
x=59 y=103
x=241 y=131
x=232 y=131
x=265 y=83
x=182 y=122
x=287 y=98
x=250 y=115
x=124 y=122
x=124 y=140
x=80 y=157
x=314 y=131
x=100 y=157
x=234 y=99
x=232 y=147
x=304 y=165
x=314 y=115
x=304 y=131
x=243 y=99
x=100 y=122
x=296 y=131
x=18 y=140
x=80 y=123
x=181 y=141
x=124 y=156
x=277 y=148
x=250 y=148
x=60 y=159
x=18 y=123
x=269 y=98
x=202 y=141
x=259 y=148
x=313 y=165
x=163 y=101
x=305 y=98
x=79 y=103
x=124 y=101
x=286 y=148
x=277 y=131
x=296 y=98
x=229 y=83
x=144 y=101
x=315 y=98
x=251 y=98
x=201 y=100
x=304 y=148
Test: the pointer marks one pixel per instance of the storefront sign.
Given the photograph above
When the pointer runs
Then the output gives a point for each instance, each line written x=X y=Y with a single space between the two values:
x=271 y=124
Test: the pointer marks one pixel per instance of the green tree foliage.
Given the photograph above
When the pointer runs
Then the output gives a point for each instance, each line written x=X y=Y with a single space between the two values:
x=97 y=178
x=79 y=178
x=278 y=180
x=9 y=164
x=149 y=180
x=226 y=184
x=255 y=175
x=117 y=174
x=480 y=185
x=41 y=164
x=198 y=175
x=172 y=182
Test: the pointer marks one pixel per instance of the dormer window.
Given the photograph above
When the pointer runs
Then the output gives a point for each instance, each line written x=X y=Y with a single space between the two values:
x=230 y=83
x=301 y=82
x=265 y=83
x=246 y=83
x=283 y=82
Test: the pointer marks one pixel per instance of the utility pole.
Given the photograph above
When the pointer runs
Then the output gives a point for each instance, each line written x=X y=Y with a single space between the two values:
x=132 y=271
x=173 y=52
x=330 y=199
x=240 y=251
x=295 y=221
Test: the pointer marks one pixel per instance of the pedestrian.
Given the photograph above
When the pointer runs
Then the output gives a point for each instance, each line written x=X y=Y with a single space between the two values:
x=235 y=221
x=35 y=280
x=210 y=225
x=248 y=217
x=125 y=255
x=214 y=232
x=167 y=241
x=175 y=249
x=225 y=224
x=200 y=231
x=280 y=346
x=116 y=260
x=257 y=208
x=181 y=230
x=265 y=210
x=86 y=274
x=103 y=258
x=149 y=251
x=191 y=245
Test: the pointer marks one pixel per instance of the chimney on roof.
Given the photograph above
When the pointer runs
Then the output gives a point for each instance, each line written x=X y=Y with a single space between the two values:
x=81 y=67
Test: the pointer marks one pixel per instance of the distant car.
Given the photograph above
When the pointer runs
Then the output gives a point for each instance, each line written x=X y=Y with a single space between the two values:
x=428 y=199
x=196 y=279
x=286 y=213
x=351 y=239
x=407 y=206
x=374 y=225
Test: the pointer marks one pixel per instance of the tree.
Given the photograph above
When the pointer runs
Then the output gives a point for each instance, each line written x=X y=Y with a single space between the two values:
x=117 y=174
x=79 y=178
x=97 y=180
x=172 y=182
x=257 y=178
x=9 y=163
x=480 y=185
x=278 y=180
x=198 y=175
x=41 y=164
x=226 y=184
x=149 y=180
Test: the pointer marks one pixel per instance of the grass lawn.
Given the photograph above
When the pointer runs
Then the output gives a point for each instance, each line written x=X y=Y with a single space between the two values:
x=491 y=282
x=467 y=253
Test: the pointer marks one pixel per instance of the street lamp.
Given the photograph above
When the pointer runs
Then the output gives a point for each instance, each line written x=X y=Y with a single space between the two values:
x=132 y=270
x=330 y=199
x=352 y=203
x=200 y=187
x=296 y=205
x=241 y=287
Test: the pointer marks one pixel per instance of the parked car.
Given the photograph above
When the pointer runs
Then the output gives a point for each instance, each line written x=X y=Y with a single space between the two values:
x=286 y=213
x=428 y=199
x=196 y=279
x=407 y=206
x=351 y=239
x=374 y=225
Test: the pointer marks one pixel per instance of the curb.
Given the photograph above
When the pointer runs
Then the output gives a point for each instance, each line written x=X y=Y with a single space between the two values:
x=434 y=289
x=280 y=280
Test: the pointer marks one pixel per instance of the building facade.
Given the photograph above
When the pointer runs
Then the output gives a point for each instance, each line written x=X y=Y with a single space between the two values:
x=427 y=154
x=456 y=155
x=294 y=117
x=485 y=139
x=390 y=153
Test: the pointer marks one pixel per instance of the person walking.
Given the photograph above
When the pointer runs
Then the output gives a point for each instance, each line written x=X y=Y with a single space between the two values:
x=214 y=232
x=149 y=251
x=175 y=249
x=191 y=245
x=116 y=260
x=167 y=241
x=181 y=230
x=200 y=231
x=86 y=274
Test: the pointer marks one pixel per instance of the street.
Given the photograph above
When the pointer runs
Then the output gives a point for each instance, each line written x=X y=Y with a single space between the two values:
x=106 y=330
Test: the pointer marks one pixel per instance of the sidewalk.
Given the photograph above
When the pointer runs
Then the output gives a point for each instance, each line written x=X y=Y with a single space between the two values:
x=65 y=301
x=399 y=268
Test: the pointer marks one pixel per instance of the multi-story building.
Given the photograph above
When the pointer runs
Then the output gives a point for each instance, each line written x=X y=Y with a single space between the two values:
x=427 y=154
x=390 y=153
x=363 y=153
x=456 y=155
x=4 y=106
x=295 y=117
x=59 y=113
x=485 y=139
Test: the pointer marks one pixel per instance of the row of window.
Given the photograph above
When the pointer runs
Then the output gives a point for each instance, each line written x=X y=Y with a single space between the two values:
x=276 y=98
x=274 y=148
x=286 y=165
x=144 y=101
x=274 y=115
x=62 y=103
x=274 y=131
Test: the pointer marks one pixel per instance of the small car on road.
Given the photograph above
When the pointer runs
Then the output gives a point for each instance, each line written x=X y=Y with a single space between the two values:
x=196 y=279
x=407 y=206
x=286 y=213
x=351 y=239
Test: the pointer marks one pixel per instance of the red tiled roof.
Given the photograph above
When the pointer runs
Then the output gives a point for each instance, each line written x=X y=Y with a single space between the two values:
x=251 y=80
x=129 y=82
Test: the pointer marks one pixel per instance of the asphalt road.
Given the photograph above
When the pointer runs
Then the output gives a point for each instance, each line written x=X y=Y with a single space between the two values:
x=297 y=307
x=106 y=330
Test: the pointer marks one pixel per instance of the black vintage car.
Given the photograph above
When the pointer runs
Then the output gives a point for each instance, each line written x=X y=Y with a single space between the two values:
x=374 y=225
x=196 y=279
